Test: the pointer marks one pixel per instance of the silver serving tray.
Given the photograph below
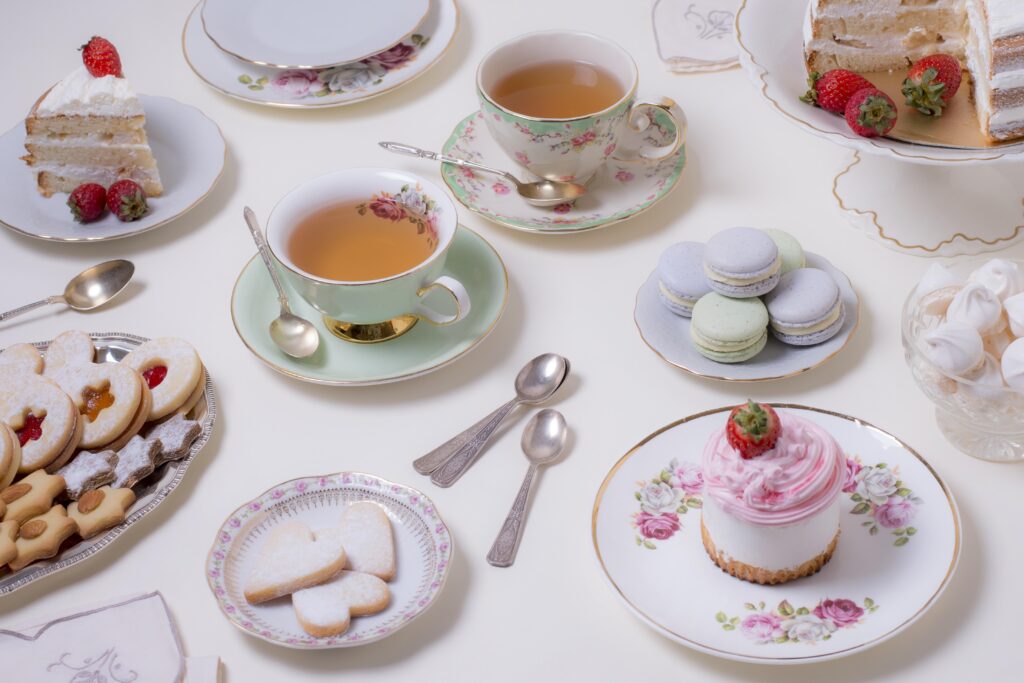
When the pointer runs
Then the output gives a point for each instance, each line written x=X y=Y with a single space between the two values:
x=111 y=347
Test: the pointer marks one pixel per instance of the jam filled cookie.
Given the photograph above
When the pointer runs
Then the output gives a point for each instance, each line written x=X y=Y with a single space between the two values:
x=100 y=509
x=44 y=418
x=89 y=470
x=69 y=348
x=108 y=396
x=172 y=370
x=10 y=456
x=31 y=496
x=40 y=537
x=175 y=436
x=8 y=551
x=21 y=358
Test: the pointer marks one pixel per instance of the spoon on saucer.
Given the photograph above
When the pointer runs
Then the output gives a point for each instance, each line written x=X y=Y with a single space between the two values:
x=90 y=289
x=539 y=193
x=536 y=382
x=543 y=442
x=294 y=335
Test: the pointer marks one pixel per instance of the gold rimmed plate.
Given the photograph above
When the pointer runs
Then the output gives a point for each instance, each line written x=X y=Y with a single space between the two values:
x=898 y=549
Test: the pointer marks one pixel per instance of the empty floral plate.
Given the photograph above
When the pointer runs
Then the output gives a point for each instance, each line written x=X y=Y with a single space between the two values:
x=326 y=87
x=423 y=550
x=897 y=552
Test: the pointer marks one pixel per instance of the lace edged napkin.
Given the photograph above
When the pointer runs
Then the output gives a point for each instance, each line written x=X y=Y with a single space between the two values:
x=695 y=35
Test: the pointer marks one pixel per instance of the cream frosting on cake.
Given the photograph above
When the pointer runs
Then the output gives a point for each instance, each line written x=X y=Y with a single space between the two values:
x=775 y=516
x=876 y=35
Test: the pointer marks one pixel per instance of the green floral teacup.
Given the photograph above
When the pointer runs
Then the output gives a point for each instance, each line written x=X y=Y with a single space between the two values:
x=572 y=148
x=373 y=310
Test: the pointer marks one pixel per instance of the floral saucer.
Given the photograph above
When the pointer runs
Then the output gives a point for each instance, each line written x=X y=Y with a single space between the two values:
x=898 y=550
x=424 y=349
x=331 y=87
x=668 y=335
x=423 y=547
x=620 y=191
x=189 y=150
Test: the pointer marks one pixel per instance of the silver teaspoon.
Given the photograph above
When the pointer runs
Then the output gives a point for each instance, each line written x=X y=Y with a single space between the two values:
x=90 y=289
x=543 y=442
x=294 y=335
x=539 y=193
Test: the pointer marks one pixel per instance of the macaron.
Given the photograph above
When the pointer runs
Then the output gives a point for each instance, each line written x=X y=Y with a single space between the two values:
x=805 y=308
x=681 y=280
x=742 y=263
x=790 y=251
x=729 y=330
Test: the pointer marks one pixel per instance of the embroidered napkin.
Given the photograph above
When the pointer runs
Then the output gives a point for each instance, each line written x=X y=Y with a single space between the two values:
x=696 y=35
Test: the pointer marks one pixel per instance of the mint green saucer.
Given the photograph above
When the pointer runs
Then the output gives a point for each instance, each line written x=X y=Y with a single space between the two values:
x=425 y=348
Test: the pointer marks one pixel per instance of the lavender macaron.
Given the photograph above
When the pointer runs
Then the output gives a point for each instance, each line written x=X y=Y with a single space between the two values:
x=681 y=280
x=805 y=308
x=742 y=262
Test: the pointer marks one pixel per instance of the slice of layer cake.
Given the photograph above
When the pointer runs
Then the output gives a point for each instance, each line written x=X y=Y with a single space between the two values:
x=90 y=129
x=987 y=36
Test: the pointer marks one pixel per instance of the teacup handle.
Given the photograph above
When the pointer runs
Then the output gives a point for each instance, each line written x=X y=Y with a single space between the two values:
x=640 y=120
x=458 y=292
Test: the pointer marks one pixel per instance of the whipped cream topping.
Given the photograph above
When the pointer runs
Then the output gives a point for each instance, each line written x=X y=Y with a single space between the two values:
x=978 y=306
x=1003 y=278
x=1013 y=365
x=956 y=348
x=797 y=479
x=81 y=94
x=1004 y=18
x=1014 y=306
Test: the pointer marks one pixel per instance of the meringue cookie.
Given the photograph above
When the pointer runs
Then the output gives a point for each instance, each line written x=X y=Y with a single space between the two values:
x=1013 y=365
x=937 y=302
x=954 y=347
x=936 y=277
x=987 y=381
x=1014 y=306
x=996 y=343
x=978 y=306
x=1003 y=278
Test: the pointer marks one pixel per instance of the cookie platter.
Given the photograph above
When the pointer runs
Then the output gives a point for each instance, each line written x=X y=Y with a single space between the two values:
x=112 y=347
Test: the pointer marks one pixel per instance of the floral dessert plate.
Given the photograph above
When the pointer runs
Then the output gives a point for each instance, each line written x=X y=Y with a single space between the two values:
x=423 y=547
x=326 y=87
x=898 y=548
x=668 y=335
x=770 y=35
x=424 y=349
x=308 y=34
x=619 y=191
x=111 y=347
x=188 y=148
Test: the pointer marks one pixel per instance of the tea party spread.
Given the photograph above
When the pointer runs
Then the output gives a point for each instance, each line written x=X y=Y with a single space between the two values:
x=818 y=464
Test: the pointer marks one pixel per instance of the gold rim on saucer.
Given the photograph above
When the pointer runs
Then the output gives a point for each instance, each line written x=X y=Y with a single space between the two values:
x=371 y=333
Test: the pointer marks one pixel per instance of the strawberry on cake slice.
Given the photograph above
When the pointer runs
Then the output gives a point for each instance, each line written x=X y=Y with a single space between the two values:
x=90 y=128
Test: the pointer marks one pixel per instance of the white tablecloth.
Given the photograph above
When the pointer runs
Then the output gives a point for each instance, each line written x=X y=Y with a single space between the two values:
x=552 y=614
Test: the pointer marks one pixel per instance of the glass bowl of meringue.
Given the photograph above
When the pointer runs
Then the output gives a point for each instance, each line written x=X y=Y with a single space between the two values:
x=963 y=338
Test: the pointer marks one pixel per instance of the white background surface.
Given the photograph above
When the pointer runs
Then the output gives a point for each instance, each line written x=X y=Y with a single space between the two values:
x=551 y=616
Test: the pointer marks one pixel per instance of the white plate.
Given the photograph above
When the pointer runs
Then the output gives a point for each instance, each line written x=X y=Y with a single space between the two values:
x=329 y=87
x=668 y=335
x=893 y=575
x=189 y=151
x=770 y=35
x=309 y=34
x=423 y=548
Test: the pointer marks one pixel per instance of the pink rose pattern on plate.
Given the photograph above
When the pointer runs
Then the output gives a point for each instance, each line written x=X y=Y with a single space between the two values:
x=664 y=500
x=878 y=492
x=786 y=624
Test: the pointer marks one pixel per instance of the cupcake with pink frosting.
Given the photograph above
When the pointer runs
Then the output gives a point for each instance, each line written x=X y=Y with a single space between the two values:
x=771 y=495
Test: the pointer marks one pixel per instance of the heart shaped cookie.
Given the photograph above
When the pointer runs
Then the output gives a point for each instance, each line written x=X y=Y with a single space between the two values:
x=21 y=358
x=326 y=610
x=68 y=348
x=366 y=533
x=293 y=558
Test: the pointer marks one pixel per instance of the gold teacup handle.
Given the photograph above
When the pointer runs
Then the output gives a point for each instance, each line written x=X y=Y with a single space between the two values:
x=458 y=293
x=640 y=119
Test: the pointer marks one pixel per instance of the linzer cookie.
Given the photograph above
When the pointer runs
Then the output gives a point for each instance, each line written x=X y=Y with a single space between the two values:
x=175 y=436
x=10 y=456
x=40 y=537
x=8 y=551
x=21 y=358
x=172 y=370
x=87 y=471
x=31 y=496
x=69 y=348
x=44 y=418
x=135 y=461
x=100 y=509
x=108 y=396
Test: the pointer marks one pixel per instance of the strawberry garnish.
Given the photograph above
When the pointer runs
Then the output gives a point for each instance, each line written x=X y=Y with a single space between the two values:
x=127 y=200
x=753 y=428
x=833 y=89
x=87 y=202
x=931 y=83
x=870 y=113
x=101 y=59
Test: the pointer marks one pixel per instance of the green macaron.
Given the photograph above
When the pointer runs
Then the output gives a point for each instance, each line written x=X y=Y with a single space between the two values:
x=790 y=251
x=729 y=330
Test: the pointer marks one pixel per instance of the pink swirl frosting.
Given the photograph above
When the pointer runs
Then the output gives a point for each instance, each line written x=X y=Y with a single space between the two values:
x=798 y=478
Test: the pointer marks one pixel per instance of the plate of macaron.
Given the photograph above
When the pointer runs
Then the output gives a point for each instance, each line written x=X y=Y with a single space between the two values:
x=750 y=305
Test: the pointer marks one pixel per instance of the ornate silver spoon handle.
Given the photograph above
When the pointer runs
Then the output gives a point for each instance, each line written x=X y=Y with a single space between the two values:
x=264 y=249
x=409 y=150
x=428 y=463
x=460 y=461
x=29 y=307
x=503 y=552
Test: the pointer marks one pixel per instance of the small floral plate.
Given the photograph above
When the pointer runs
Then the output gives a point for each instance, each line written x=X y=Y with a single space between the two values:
x=330 y=87
x=423 y=547
x=898 y=549
x=620 y=191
